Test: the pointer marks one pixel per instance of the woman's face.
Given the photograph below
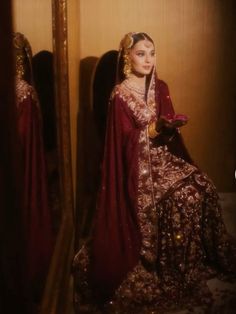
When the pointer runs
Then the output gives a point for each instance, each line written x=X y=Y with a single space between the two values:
x=142 y=57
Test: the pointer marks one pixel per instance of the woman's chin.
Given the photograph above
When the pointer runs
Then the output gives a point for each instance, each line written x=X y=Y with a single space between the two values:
x=142 y=73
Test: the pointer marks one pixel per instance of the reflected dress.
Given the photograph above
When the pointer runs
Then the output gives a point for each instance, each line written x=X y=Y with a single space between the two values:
x=36 y=214
x=158 y=233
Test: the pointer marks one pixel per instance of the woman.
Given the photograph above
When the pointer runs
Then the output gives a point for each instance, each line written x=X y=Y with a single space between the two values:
x=158 y=234
x=36 y=216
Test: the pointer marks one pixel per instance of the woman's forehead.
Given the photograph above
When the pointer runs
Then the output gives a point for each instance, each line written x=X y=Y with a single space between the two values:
x=144 y=45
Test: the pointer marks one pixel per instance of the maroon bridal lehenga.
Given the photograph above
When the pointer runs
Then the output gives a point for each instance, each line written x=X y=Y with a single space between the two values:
x=158 y=233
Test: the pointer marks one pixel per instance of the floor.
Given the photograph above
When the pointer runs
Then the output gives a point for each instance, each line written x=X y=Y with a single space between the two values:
x=224 y=294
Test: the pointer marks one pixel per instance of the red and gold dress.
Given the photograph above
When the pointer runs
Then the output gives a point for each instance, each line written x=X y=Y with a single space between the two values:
x=36 y=216
x=158 y=233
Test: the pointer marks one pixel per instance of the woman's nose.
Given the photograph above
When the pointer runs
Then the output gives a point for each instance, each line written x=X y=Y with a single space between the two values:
x=148 y=58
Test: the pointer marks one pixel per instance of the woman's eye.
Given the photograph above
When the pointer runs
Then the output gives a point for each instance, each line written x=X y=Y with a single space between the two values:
x=140 y=54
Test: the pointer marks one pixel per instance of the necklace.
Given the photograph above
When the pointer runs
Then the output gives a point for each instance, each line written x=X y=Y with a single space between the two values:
x=134 y=87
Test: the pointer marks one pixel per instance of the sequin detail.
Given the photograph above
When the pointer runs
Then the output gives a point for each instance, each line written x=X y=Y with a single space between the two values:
x=184 y=240
x=24 y=90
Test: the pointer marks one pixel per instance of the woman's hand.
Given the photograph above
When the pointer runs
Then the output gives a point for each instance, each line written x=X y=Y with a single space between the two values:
x=171 y=122
x=166 y=125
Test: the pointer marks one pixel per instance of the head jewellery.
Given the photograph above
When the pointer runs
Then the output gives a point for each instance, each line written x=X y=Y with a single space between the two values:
x=128 y=41
x=124 y=64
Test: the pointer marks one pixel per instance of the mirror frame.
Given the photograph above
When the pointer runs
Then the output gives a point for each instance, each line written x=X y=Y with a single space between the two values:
x=59 y=283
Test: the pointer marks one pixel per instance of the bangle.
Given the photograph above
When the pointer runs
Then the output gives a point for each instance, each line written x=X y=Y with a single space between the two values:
x=152 y=132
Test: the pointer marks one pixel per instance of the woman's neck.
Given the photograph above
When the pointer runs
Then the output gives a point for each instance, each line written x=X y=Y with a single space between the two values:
x=136 y=84
x=138 y=81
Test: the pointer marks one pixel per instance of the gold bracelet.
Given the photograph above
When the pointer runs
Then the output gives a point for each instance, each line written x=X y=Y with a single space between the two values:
x=152 y=132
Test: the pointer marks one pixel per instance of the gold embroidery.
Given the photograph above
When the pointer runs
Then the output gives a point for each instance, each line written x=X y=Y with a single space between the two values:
x=181 y=227
x=24 y=90
x=143 y=113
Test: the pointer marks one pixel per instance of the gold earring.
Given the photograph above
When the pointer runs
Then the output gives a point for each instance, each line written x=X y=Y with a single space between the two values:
x=127 y=66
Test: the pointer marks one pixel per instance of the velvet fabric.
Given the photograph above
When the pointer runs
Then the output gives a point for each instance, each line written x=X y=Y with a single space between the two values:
x=36 y=214
x=115 y=248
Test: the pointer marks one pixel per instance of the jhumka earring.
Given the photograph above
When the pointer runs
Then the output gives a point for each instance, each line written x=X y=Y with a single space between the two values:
x=127 y=65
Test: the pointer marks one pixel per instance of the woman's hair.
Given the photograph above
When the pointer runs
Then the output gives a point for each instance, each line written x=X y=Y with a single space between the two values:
x=128 y=42
x=140 y=36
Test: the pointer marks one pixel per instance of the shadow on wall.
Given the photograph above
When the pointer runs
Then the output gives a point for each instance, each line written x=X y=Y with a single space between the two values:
x=42 y=64
x=86 y=147
x=97 y=79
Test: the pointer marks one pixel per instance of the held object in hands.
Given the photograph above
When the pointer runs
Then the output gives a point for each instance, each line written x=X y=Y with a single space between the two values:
x=172 y=121
x=168 y=121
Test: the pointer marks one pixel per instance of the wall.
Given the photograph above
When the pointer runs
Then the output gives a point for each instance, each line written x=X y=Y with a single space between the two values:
x=195 y=43
x=34 y=20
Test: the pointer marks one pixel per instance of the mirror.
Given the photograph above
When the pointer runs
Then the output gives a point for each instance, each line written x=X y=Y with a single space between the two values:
x=46 y=31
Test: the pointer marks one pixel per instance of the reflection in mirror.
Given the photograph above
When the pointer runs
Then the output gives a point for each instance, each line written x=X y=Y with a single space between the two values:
x=48 y=227
x=36 y=214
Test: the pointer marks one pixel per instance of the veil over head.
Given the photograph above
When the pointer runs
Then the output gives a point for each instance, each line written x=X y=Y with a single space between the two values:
x=23 y=57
